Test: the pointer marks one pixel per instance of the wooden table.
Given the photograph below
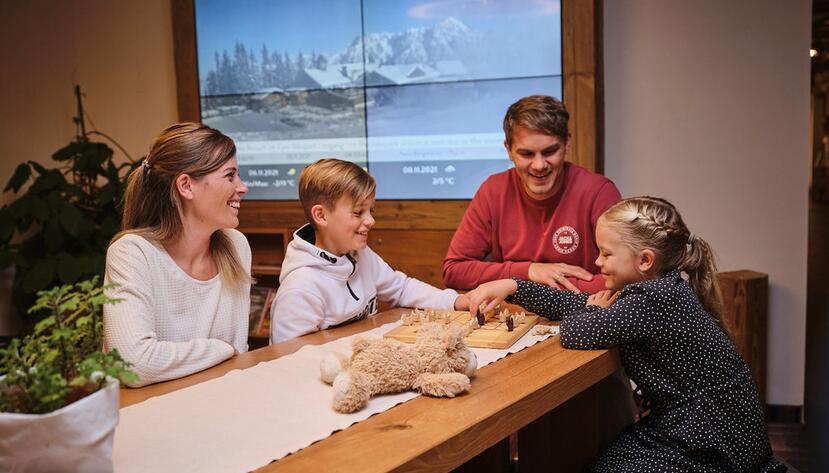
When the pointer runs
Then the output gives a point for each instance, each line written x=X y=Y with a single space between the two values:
x=544 y=380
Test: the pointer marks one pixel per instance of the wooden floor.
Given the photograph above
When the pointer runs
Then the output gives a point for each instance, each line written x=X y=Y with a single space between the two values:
x=788 y=441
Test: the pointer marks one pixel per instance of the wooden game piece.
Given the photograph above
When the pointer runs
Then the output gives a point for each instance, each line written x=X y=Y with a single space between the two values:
x=545 y=329
x=481 y=316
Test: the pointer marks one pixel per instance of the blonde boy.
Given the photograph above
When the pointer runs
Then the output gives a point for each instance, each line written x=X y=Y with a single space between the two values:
x=330 y=276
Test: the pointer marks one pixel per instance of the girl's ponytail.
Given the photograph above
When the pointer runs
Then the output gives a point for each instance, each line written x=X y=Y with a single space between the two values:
x=698 y=263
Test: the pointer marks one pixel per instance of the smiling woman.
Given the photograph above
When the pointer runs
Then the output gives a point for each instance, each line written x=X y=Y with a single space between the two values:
x=180 y=268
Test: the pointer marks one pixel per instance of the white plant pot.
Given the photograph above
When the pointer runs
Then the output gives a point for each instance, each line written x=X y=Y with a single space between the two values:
x=75 y=438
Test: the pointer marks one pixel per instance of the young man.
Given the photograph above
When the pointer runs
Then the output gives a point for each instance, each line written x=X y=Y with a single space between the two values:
x=537 y=220
x=330 y=276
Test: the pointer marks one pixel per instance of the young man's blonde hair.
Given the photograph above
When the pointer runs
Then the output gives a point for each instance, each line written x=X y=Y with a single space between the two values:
x=327 y=180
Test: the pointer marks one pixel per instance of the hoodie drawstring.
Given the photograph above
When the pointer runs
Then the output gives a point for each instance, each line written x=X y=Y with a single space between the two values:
x=353 y=269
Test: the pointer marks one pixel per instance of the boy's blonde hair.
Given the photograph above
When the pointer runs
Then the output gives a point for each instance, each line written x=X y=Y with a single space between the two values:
x=655 y=224
x=327 y=180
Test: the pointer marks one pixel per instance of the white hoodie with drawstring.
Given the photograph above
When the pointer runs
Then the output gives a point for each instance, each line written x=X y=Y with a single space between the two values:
x=319 y=290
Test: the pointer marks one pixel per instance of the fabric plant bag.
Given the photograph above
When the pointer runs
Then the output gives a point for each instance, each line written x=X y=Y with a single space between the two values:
x=74 y=438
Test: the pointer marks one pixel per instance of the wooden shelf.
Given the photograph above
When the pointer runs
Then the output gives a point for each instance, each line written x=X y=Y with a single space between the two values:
x=266 y=269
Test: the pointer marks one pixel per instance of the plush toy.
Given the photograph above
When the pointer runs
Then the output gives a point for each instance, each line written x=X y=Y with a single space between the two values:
x=438 y=364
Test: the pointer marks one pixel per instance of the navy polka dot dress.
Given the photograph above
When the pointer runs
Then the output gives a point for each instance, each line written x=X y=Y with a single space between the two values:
x=705 y=411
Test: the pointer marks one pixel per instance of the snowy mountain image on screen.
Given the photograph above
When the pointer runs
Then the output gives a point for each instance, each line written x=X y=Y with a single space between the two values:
x=448 y=40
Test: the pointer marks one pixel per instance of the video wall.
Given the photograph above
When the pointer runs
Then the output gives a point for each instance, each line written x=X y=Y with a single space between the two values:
x=414 y=91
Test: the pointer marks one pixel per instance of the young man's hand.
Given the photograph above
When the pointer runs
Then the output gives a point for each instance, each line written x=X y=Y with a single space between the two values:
x=485 y=297
x=603 y=298
x=556 y=274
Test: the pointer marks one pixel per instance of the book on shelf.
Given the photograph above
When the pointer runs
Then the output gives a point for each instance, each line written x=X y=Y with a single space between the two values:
x=263 y=328
x=260 y=297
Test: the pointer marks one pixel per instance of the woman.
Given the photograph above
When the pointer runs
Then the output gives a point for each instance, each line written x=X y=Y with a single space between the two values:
x=180 y=268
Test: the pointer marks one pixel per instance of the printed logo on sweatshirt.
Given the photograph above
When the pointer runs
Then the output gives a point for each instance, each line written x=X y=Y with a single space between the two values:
x=566 y=240
x=369 y=309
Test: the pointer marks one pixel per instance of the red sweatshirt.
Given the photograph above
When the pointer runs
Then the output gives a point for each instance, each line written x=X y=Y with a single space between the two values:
x=504 y=230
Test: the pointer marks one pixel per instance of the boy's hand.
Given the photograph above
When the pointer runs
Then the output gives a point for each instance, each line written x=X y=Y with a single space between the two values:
x=603 y=298
x=462 y=302
x=485 y=297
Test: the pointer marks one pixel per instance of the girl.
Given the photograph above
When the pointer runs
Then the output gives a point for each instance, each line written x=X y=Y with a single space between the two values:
x=182 y=272
x=705 y=413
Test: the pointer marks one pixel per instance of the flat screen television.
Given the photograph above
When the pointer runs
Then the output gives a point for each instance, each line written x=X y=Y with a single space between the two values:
x=414 y=91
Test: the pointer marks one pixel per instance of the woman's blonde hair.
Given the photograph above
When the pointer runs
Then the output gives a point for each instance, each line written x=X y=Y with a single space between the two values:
x=655 y=224
x=152 y=205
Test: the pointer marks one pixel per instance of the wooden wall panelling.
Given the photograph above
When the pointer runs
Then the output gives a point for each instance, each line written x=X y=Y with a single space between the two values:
x=745 y=298
x=389 y=214
x=420 y=252
x=582 y=82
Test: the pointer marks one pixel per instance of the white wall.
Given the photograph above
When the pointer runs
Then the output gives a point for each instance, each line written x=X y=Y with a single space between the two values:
x=119 y=51
x=707 y=104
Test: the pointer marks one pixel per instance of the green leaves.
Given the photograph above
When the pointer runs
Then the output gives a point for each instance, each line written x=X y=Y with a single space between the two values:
x=20 y=176
x=69 y=269
x=61 y=360
x=39 y=275
x=58 y=228
x=69 y=151
x=6 y=224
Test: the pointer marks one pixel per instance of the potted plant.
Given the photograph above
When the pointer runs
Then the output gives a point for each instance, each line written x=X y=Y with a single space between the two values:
x=59 y=392
x=57 y=231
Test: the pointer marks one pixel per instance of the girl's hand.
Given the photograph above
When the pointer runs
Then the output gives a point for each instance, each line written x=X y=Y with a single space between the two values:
x=485 y=297
x=462 y=302
x=603 y=298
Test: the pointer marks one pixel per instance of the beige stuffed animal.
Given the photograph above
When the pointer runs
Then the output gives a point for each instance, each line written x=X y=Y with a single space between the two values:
x=438 y=364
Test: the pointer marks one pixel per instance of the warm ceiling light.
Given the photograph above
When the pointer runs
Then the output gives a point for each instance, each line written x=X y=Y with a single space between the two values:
x=812 y=52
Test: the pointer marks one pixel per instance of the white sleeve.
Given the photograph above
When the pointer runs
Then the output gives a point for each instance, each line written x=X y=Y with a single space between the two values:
x=295 y=312
x=129 y=325
x=401 y=290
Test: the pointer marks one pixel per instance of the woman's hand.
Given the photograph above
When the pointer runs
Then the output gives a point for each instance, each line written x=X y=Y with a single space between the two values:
x=485 y=297
x=603 y=298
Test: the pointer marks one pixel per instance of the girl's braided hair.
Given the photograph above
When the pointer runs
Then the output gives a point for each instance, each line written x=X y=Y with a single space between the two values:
x=655 y=224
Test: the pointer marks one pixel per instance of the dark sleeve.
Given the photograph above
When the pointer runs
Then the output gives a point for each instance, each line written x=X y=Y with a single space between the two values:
x=545 y=300
x=630 y=319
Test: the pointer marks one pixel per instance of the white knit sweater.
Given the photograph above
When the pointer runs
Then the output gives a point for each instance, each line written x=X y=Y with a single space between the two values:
x=170 y=325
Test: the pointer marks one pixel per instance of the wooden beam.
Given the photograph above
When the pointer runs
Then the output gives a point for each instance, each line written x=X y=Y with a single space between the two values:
x=582 y=81
x=184 y=54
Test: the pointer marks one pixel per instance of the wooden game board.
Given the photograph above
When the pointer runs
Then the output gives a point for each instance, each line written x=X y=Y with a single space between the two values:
x=493 y=334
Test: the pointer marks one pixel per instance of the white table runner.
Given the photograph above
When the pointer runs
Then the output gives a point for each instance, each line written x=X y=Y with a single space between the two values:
x=248 y=418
